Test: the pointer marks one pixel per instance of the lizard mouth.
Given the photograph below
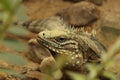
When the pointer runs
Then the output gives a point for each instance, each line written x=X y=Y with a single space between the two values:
x=42 y=42
x=52 y=53
x=73 y=59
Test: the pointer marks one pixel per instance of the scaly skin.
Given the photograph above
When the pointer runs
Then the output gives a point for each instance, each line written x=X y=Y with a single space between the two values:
x=78 y=45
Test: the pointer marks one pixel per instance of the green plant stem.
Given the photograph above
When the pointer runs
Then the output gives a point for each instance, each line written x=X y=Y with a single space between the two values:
x=105 y=60
x=111 y=52
x=6 y=25
x=10 y=18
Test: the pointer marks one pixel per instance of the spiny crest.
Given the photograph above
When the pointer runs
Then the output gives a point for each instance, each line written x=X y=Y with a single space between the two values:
x=79 y=31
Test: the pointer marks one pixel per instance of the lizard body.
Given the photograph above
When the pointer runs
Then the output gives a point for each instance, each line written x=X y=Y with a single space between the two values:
x=80 y=46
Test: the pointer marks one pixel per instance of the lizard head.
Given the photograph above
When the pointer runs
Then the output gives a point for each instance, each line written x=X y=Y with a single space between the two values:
x=61 y=42
x=78 y=45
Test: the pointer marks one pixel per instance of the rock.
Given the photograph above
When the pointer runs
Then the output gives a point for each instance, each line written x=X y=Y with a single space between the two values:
x=109 y=26
x=38 y=25
x=108 y=35
x=97 y=2
x=74 y=0
x=37 y=51
x=80 y=14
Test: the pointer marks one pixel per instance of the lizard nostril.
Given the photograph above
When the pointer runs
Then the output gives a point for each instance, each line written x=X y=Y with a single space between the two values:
x=43 y=34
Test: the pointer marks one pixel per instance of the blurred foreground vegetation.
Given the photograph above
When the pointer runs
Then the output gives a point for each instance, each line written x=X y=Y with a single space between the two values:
x=13 y=10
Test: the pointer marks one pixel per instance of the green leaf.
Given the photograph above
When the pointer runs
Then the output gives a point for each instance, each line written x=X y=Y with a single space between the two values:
x=5 y=4
x=14 y=44
x=76 y=76
x=21 y=14
x=18 y=30
x=94 y=70
x=11 y=72
x=2 y=16
x=111 y=75
x=8 y=4
x=12 y=58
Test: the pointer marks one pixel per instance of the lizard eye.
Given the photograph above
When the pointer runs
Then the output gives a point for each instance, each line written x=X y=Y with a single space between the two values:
x=61 y=39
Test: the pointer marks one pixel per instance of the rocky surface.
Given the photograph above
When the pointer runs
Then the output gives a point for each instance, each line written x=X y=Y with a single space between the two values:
x=97 y=2
x=80 y=14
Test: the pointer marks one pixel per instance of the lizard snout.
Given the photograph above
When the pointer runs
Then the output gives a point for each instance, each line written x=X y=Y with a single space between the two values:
x=42 y=34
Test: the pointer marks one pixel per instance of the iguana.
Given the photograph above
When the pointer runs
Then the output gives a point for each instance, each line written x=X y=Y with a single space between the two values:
x=80 y=46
